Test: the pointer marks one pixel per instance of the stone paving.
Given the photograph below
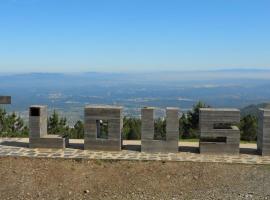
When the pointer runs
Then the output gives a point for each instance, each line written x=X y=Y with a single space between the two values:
x=188 y=152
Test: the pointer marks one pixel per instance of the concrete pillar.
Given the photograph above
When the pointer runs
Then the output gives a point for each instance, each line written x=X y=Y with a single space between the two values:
x=263 y=137
x=37 y=121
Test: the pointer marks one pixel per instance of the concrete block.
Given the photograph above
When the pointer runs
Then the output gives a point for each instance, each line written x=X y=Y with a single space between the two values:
x=38 y=136
x=218 y=133
x=93 y=116
x=5 y=99
x=172 y=131
x=263 y=134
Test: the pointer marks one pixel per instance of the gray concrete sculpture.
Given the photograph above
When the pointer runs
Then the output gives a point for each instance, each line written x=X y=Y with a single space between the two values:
x=5 y=99
x=218 y=133
x=38 y=137
x=263 y=137
x=95 y=117
x=172 y=131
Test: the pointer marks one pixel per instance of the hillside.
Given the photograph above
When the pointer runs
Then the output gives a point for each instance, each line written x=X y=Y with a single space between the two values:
x=253 y=109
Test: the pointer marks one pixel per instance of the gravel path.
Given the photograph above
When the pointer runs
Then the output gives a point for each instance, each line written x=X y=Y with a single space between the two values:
x=26 y=178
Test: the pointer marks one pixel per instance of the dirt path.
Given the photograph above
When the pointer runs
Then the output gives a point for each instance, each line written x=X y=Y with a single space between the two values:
x=25 y=178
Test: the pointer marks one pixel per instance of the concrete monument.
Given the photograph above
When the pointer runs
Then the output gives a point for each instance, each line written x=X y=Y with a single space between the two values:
x=172 y=131
x=263 y=137
x=39 y=138
x=95 y=118
x=5 y=99
x=218 y=133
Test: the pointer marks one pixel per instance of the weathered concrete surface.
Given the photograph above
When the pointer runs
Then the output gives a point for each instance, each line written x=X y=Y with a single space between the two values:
x=263 y=138
x=217 y=131
x=5 y=99
x=113 y=115
x=172 y=132
x=38 y=136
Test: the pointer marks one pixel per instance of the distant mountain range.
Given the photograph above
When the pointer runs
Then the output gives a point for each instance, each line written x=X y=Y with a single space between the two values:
x=69 y=93
x=253 y=109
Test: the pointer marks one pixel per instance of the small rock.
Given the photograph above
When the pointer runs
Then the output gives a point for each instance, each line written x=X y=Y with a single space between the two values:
x=69 y=192
x=168 y=176
x=86 y=191
x=196 y=177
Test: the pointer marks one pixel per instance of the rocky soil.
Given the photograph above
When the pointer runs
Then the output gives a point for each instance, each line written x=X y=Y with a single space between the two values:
x=25 y=178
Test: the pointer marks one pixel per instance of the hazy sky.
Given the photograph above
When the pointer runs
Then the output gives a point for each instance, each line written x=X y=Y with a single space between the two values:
x=133 y=35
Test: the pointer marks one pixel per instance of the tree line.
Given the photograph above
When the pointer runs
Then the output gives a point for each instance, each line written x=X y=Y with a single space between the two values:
x=12 y=125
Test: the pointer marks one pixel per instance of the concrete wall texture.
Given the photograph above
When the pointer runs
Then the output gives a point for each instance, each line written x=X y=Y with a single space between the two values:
x=93 y=115
x=218 y=133
x=263 y=137
x=172 y=131
x=5 y=99
x=38 y=136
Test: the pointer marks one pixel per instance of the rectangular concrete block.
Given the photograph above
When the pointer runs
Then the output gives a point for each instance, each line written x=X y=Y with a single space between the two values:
x=263 y=135
x=50 y=141
x=148 y=129
x=94 y=115
x=38 y=121
x=159 y=146
x=218 y=133
x=5 y=99
x=172 y=131
x=103 y=144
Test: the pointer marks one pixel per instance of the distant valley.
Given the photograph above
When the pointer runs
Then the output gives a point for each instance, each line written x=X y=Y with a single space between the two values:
x=69 y=93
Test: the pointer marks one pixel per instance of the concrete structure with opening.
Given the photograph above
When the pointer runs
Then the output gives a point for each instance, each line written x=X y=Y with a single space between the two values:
x=95 y=118
x=38 y=137
x=263 y=137
x=218 y=133
x=170 y=144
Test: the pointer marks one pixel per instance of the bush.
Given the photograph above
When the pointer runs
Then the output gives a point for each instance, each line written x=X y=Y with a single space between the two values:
x=248 y=127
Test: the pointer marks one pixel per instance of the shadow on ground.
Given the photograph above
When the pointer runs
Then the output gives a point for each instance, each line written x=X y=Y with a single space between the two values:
x=131 y=147
x=248 y=151
x=15 y=144
x=189 y=149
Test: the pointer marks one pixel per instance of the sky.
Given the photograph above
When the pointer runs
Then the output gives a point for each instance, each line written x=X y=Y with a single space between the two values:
x=133 y=35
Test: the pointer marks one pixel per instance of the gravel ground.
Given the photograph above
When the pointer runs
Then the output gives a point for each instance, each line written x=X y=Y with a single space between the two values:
x=25 y=178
